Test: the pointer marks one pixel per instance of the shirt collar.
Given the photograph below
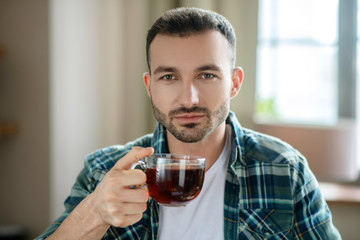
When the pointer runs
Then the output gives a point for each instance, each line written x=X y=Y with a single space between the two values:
x=158 y=141
x=237 y=147
x=236 y=128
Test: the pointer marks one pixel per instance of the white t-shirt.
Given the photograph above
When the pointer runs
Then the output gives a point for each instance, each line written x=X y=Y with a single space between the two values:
x=202 y=218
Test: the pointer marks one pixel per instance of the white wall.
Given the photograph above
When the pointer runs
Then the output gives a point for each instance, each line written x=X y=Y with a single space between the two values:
x=97 y=93
x=85 y=87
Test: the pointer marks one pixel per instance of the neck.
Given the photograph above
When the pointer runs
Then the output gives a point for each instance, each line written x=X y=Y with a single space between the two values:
x=210 y=148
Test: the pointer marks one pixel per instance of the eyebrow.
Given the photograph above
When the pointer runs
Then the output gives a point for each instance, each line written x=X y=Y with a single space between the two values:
x=211 y=67
x=162 y=69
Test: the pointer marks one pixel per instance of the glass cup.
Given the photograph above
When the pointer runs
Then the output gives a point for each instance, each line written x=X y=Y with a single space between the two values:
x=173 y=179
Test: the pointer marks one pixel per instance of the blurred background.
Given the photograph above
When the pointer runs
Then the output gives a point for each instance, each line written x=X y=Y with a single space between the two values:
x=71 y=82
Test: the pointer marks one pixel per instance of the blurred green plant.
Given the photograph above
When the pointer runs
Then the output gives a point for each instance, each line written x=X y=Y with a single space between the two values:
x=266 y=107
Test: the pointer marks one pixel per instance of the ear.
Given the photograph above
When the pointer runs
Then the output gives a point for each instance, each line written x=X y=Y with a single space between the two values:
x=147 y=80
x=237 y=78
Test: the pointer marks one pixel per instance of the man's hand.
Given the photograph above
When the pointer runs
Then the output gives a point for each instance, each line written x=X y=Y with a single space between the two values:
x=113 y=200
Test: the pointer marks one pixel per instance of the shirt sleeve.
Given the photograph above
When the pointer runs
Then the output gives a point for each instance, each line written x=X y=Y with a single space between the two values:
x=79 y=191
x=313 y=218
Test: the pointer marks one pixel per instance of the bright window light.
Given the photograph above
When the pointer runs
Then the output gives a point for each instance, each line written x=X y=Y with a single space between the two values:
x=297 y=60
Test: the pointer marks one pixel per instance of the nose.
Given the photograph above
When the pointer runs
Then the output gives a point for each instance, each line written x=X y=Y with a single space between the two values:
x=189 y=96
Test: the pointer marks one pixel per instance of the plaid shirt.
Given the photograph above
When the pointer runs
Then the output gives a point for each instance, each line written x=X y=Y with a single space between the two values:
x=270 y=192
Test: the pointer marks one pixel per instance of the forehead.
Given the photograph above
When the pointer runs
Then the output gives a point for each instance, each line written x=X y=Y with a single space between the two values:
x=191 y=51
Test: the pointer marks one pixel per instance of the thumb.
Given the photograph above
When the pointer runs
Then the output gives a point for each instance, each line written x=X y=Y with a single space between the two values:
x=135 y=154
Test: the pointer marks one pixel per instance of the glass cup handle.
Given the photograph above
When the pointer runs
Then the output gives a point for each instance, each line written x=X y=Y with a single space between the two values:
x=138 y=165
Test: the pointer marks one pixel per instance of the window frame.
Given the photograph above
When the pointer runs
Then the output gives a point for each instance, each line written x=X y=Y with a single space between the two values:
x=347 y=59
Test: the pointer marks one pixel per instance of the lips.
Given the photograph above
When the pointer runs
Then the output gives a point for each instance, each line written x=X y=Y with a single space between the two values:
x=189 y=117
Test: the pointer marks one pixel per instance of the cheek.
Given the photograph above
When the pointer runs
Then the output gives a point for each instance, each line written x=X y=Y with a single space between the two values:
x=217 y=95
x=161 y=98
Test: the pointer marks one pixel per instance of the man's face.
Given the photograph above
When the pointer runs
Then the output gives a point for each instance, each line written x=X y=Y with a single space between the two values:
x=191 y=83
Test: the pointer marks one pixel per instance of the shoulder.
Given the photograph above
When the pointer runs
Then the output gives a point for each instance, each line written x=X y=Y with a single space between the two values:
x=99 y=162
x=259 y=147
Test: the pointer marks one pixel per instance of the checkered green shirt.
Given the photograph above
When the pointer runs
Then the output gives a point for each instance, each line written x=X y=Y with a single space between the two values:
x=270 y=192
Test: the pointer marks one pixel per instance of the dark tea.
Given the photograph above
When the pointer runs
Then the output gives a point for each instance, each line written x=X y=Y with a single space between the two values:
x=174 y=184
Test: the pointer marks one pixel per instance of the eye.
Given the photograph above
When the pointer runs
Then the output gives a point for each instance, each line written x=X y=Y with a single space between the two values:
x=168 y=77
x=207 y=76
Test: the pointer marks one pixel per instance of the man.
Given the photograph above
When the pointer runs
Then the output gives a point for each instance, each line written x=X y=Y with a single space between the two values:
x=255 y=187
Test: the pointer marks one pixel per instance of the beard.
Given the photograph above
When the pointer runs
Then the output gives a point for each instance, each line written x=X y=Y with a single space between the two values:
x=192 y=132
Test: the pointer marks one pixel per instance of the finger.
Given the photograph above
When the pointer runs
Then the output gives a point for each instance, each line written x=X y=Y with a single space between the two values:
x=127 y=178
x=139 y=195
x=135 y=154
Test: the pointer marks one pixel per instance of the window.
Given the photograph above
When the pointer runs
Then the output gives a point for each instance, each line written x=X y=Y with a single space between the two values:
x=298 y=62
x=308 y=81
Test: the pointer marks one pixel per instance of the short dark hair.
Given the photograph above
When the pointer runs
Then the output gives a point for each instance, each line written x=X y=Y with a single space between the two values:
x=185 y=21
